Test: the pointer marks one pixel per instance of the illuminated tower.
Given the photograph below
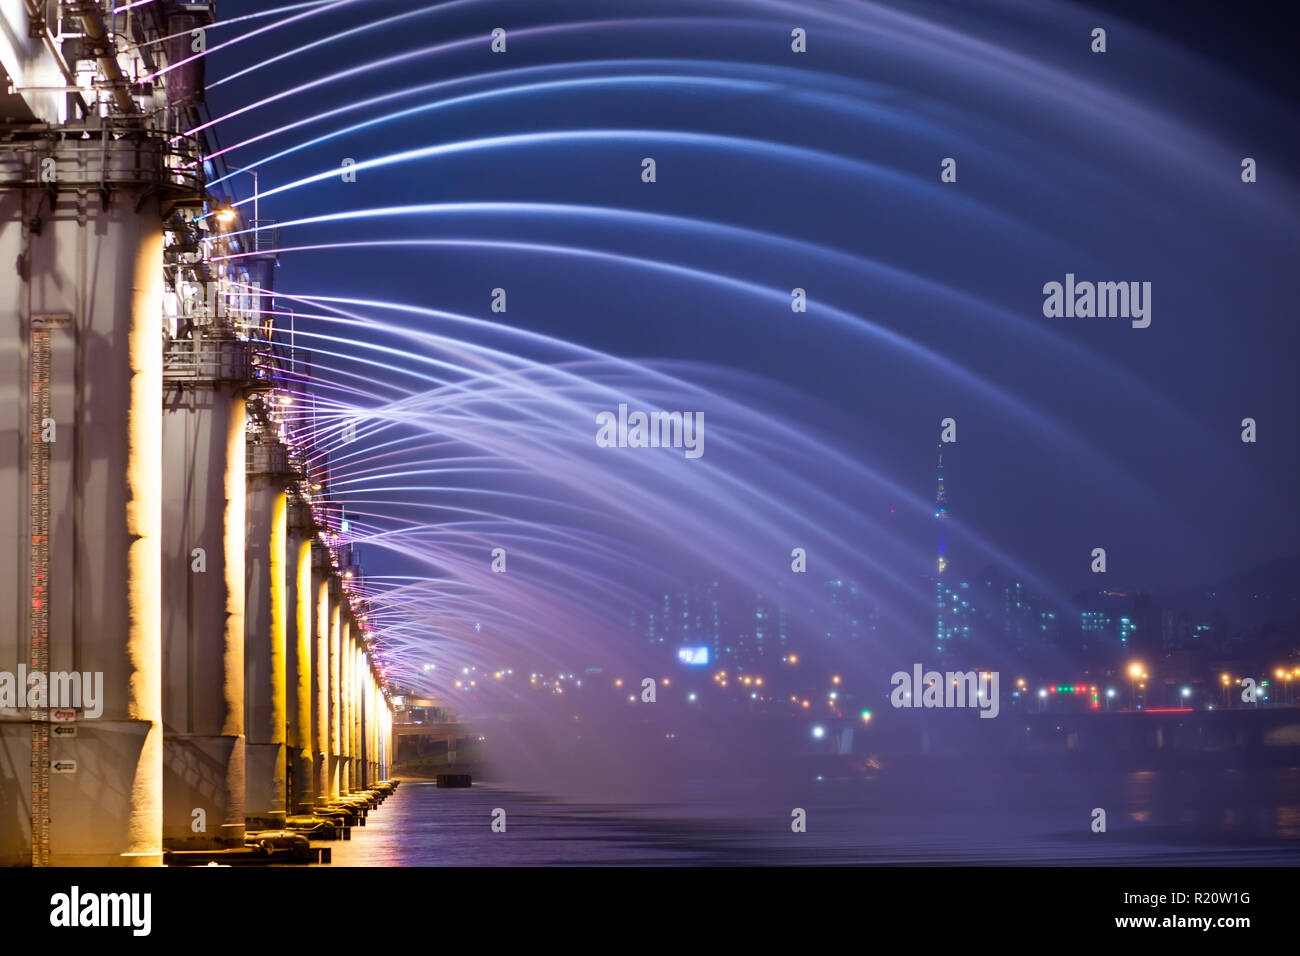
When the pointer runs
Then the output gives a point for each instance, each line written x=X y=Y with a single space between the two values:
x=940 y=513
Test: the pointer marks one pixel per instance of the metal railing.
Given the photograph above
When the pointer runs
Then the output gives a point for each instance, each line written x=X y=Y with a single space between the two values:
x=217 y=356
x=138 y=157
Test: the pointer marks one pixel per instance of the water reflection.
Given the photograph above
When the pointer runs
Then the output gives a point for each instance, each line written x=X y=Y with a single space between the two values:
x=1160 y=818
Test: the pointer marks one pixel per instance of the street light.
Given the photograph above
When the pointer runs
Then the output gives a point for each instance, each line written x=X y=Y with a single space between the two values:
x=1136 y=672
x=257 y=194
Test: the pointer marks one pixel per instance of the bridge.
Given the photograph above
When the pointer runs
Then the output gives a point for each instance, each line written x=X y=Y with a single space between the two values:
x=168 y=531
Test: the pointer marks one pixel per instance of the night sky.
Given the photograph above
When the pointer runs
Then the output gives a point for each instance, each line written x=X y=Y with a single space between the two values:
x=822 y=171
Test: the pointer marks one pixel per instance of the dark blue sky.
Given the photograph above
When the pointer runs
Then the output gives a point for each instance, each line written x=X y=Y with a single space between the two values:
x=1083 y=433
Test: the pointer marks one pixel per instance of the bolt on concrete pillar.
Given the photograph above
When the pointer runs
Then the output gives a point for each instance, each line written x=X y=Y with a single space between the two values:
x=265 y=628
x=203 y=616
x=299 y=639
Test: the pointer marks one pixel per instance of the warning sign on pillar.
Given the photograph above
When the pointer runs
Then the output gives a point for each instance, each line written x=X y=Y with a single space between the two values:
x=63 y=716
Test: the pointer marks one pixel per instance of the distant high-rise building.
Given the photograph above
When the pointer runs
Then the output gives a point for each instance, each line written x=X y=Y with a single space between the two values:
x=748 y=629
x=953 y=607
x=1014 y=620
x=1115 y=625
x=941 y=512
x=848 y=616
x=682 y=618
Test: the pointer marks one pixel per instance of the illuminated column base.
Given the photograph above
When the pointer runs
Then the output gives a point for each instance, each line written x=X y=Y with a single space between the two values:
x=203 y=792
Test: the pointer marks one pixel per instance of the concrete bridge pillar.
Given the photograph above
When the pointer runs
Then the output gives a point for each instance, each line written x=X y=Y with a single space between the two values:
x=346 y=671
x=376 y=705
x=299 y=640
x=387 y=768
x=335 y=689
x=265 y=630
x=320 y=685
x=80 y=346
x=203 y=616
x=363 y=713
x=358 y=704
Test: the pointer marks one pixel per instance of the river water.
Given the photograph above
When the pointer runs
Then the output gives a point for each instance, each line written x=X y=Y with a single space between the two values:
x=1222 y=817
